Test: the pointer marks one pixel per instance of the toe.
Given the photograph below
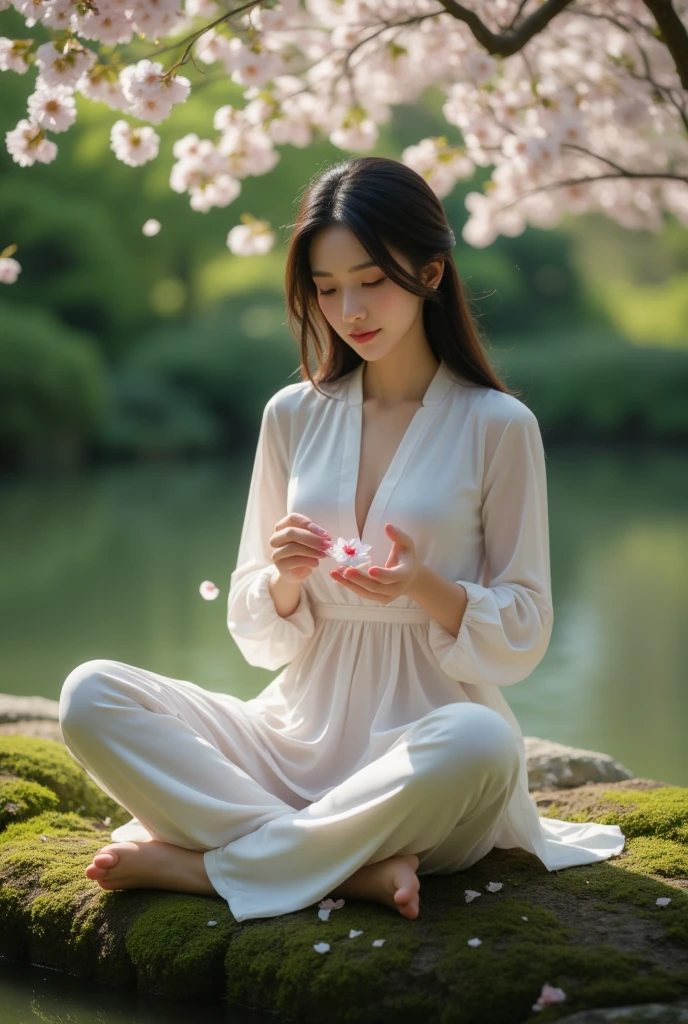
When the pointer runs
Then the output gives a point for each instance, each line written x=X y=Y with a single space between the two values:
x=105 y=860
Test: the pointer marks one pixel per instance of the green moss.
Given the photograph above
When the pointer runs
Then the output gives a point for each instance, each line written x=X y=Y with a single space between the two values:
x=20 y=799
x=174 y=948
x=51 y=765
x=662 y=812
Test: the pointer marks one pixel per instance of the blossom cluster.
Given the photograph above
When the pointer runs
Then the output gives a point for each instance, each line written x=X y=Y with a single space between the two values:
x=588 y=115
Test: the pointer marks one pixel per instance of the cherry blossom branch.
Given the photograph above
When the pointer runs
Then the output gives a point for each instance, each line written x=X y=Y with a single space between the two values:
x=588 y=179
x=623 y=171
x=514 y=39
x=187 y=41
x=194 y=37
x=672 y=33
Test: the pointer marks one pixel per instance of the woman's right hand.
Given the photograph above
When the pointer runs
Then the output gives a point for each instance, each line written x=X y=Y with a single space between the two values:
x=298 y=547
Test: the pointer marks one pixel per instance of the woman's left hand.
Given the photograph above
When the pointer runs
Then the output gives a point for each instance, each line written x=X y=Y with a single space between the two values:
x=384 y=585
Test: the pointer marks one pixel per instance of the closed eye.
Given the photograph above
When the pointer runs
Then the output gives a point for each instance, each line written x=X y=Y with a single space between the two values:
x=366 y=284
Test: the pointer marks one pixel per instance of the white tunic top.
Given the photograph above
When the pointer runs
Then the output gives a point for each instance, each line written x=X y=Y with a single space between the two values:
x=468 y=483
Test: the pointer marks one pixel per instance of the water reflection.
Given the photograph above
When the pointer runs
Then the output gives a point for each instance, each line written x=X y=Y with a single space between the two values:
x=29 y=994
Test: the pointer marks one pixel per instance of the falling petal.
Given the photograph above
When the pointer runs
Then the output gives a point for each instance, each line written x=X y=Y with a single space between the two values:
x=379 y=942
x=151 y=227
x=321 y=947
x=323 y=914
x=208 y=590
x=475 y=942
x=353 y=934
x=494 y=886
x=523 y=918
x=663 y=900
x=210 y=923
x=471 y=894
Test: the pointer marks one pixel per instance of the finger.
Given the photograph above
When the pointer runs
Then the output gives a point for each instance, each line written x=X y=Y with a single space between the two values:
x=361 y=580
x=349 y=584
x=381 y=575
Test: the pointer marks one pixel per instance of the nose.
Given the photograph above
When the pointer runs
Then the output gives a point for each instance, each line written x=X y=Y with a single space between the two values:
x=352 y=311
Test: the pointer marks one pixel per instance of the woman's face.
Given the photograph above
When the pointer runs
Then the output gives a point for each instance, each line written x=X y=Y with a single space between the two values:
x=357 y=298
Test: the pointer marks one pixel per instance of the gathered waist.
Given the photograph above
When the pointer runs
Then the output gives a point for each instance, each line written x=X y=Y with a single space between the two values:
x=383 y=613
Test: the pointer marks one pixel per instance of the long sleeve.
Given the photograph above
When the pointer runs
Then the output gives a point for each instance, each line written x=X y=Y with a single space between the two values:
x=506 y=627
x=265 y=638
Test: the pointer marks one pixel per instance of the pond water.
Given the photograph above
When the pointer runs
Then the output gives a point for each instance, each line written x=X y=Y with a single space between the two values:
x=108 y=563
x=29 y=994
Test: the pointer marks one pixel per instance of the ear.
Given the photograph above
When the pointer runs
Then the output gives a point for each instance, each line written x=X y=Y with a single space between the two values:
x=433 y=273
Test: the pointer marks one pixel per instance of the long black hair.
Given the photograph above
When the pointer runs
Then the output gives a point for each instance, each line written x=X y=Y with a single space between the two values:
x=384 y=203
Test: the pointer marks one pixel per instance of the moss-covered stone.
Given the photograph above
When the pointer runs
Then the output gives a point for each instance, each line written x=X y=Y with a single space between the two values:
x=20 y=799
x=594 y=931
x=51 y=765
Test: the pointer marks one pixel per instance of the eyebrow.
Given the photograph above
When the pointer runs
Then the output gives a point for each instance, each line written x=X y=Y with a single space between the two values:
x=359 y=266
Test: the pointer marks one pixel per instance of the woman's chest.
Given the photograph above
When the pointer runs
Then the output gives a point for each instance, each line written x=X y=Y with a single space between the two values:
x=417 y=467
x=382 y=435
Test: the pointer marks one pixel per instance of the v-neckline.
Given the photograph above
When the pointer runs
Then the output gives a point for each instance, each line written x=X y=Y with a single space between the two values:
x=436 y=390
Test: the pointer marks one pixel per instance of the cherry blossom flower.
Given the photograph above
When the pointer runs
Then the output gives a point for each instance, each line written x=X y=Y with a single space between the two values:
x=63 y=65
x=151 y=95
x=9 y=270
x=151 y=227
x=52 y=107
x=134 y=146
x=549 y=997
x=251 y=239
x=27 y=144
x=96 y=85
x=13 y=54
x=350 y=552
x=208 y=590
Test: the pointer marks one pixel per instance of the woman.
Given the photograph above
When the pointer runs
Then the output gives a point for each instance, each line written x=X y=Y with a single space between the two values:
x=384 y=749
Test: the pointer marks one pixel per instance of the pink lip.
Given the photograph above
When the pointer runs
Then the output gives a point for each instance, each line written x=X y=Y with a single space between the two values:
x=365 y=337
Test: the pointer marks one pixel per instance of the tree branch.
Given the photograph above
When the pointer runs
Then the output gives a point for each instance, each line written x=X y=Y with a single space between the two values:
x=587 y=180
x=514 y=39
x=672 y=33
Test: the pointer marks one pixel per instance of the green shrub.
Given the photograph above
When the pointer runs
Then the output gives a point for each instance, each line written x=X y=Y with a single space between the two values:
x=52 y=387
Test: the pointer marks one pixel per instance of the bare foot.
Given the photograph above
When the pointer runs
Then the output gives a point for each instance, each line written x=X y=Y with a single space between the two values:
x=150 y=865
x=393 y=882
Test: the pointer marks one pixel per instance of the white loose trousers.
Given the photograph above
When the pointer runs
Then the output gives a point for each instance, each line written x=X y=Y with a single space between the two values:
x=188 y=764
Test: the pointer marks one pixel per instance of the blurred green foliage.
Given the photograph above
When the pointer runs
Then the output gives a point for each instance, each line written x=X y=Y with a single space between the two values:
x=132 y=345
x=52 y=388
